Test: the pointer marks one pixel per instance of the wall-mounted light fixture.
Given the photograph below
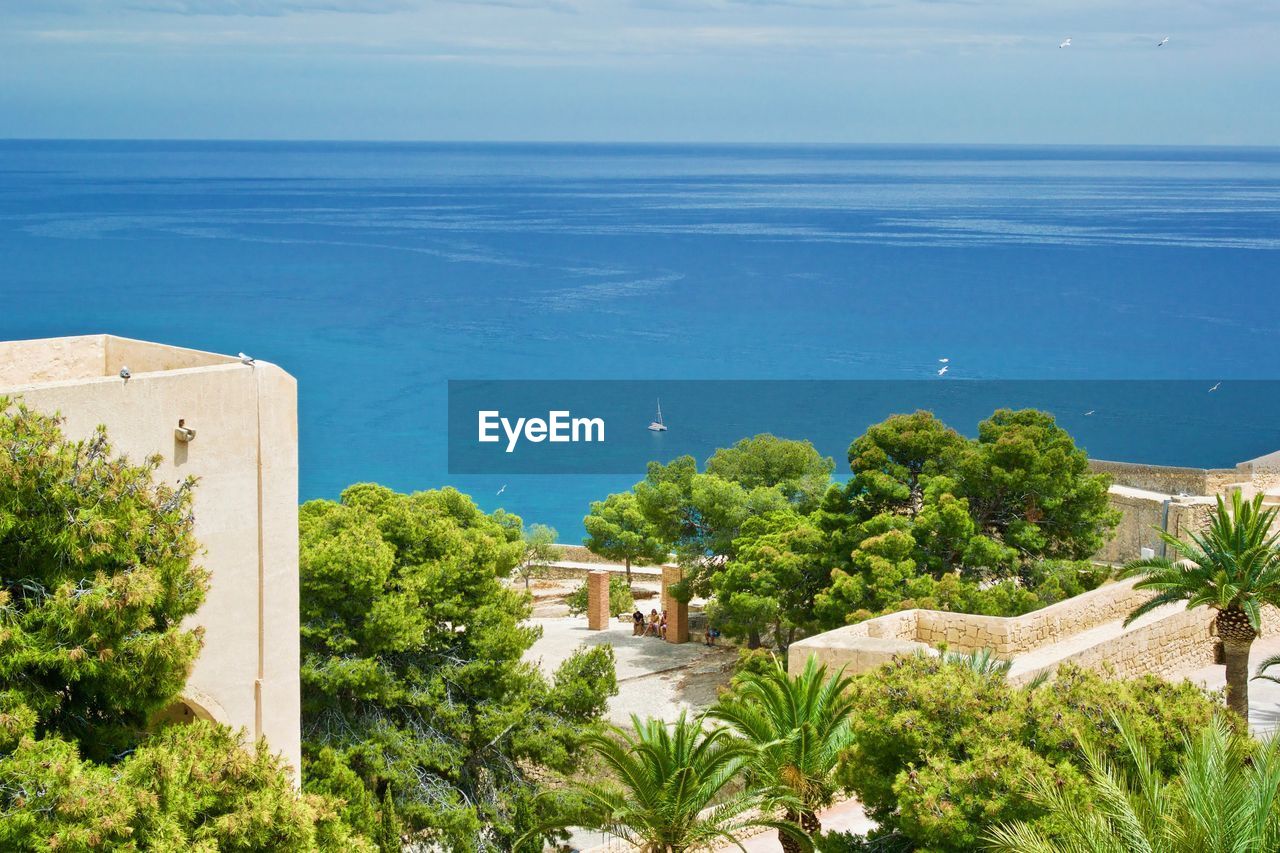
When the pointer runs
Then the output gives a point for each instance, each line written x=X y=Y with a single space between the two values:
x=184 y=433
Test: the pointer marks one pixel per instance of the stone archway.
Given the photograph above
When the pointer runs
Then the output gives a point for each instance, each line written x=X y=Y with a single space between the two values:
x=192 y=705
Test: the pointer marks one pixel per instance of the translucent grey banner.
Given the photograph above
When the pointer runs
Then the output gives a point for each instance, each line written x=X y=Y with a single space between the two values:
x=613 y=427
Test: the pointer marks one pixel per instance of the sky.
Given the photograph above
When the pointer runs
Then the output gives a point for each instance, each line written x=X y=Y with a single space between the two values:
x=841 y=71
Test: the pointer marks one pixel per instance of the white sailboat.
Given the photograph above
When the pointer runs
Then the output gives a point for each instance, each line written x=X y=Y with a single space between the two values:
x=658 y=425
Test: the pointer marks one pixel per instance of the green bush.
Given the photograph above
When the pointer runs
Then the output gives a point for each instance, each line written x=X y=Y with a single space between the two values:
x=621 y=599
x=851 y=842
x=942 y=750
x=97 y=579
x=187 y=788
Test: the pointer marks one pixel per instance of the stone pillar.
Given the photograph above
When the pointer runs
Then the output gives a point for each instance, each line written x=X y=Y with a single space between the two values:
x=677 y=611
x=598 y=614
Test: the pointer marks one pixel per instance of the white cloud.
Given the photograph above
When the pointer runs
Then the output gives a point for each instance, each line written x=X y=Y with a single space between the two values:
x=261 y=8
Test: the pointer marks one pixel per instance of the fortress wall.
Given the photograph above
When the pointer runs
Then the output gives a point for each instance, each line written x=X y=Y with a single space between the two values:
x=1180 y=642
x=52 y=359
x=1009 y=636
x=1264 y=472
x=1140 y=518
x=1166 y=479
x=245 y=458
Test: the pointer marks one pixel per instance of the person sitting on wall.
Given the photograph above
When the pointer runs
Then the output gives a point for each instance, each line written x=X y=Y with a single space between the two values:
x=712 y=634
x=662 y=625
x=637 y=623
x=653 y=623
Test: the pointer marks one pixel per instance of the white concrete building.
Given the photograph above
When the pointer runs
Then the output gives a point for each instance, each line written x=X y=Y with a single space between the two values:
x=245 y=454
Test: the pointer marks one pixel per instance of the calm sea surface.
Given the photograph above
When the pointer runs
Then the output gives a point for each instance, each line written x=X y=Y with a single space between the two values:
x=374 y=273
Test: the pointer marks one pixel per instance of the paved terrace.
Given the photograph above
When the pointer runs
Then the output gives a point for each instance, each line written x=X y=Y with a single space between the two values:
x=655 y=678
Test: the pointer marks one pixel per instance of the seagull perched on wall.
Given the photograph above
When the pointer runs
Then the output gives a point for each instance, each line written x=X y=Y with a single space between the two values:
x=1162 y=42
x=942 y=371
x=1065 y=43
x=125 y=374
x=244 y=359
x=1215 y=387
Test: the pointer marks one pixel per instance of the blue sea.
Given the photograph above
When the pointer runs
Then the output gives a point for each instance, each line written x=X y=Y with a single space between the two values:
x=376 y=272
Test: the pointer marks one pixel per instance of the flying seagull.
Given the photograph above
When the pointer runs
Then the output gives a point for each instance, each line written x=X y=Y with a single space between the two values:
x=1215 y=388
x=125 y=374
x=1162 y=42
x=943 y=360
x=503 y=489
x=1065 y=43
x=944 y=369
x=244 y=359
x=1090 y=412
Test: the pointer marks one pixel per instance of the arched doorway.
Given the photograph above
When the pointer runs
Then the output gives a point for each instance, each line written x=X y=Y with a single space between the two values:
x=189 y=707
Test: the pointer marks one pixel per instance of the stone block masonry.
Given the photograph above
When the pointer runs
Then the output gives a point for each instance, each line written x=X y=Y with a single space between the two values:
x=1087 y=630
x=1177 y=500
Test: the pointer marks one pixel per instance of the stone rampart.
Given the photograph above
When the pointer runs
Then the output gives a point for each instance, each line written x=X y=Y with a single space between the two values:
x=1086 y=630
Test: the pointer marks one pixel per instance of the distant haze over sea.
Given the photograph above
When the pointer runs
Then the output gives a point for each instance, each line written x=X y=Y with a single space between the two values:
x=376 y=272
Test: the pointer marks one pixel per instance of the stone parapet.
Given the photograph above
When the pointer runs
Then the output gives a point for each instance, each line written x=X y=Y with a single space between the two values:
x=1087 y=630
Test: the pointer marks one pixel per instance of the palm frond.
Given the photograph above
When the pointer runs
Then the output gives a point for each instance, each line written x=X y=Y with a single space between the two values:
x=1225 y=796
x=798 y=727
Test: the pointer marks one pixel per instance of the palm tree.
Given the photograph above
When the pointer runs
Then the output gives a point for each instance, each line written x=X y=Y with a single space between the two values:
x=670 y=795
x=797 y=728
x=1224 y=797
x=982 y=662
x=1233 y=566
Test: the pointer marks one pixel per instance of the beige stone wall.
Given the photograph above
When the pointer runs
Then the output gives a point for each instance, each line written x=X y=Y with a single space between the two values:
x=1178 y=642
x=1140 y=492
x=23 y=362
x=1143 y=514
x=246 y=502
x=1264 y=472
x=1009 y=636
x=1167 y=479
x=58 y=360
x=146 y=357
x=1175 y=643
x=1165 y=643
x=1140 y=518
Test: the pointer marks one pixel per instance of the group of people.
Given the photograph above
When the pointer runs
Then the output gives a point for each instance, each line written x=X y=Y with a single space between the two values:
x=654 y=626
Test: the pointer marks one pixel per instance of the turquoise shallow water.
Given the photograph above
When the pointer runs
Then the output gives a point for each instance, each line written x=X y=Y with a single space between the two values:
x=375 y=273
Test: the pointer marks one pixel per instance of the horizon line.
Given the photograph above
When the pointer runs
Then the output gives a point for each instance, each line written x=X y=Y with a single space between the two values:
x=637 y=143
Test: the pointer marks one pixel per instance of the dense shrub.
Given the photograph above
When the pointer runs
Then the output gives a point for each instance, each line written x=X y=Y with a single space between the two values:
x=190 y=787
x=942 y=750
x=96 y=577
x=413 y=670
x=621 y=599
